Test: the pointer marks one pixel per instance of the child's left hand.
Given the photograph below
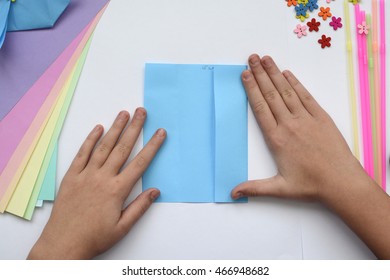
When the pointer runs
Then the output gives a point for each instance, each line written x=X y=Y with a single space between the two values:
x=88 y=215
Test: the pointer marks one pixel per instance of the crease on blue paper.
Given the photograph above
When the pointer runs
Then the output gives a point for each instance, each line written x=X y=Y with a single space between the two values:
x=199 y=112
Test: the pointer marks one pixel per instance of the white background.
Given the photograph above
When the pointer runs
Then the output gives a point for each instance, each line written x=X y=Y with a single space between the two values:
x=132 y=33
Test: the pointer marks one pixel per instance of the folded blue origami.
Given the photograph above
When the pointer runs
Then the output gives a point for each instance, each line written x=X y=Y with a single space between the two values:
x=27 y=14
x=204 y=110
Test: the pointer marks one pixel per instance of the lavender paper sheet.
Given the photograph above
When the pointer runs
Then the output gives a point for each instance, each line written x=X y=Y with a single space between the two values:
x=26 y=55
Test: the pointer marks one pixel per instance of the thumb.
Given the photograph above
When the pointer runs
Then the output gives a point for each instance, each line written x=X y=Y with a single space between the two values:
x=274 y=186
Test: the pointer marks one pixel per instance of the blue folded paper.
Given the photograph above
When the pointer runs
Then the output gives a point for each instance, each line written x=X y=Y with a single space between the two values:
x=4 y=10
x=28 y=14
x=204 y=110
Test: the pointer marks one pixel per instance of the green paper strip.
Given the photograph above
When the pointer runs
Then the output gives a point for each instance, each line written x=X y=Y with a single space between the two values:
x=49 y=182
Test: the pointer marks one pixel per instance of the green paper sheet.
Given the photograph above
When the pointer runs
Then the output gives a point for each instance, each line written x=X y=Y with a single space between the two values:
x=48 y=187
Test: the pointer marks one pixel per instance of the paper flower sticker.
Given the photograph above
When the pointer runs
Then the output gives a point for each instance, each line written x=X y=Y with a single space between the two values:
x=291 y=3
x=363 y=28
x=313 y=25
x=312 y=5
x=336 y=23
x=324 y=41
x=324 y=13
x=28 y=15
x=300 y=30
x=301 y=10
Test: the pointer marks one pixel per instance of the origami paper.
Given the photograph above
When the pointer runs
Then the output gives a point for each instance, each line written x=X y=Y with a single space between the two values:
x=15 y=124
x=39 y=203
x=37 y=14
x=199 y=106
x=48 y=186
x=4 y=10
x=47 y=147
x=25 y=183
x=19 y=159
x=29 y=54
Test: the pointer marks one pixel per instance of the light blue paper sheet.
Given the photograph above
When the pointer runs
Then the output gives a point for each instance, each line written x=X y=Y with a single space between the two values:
x=204 y=110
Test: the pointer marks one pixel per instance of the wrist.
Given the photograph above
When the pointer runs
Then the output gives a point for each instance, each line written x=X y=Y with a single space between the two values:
x=347 y=181
x=47 y=248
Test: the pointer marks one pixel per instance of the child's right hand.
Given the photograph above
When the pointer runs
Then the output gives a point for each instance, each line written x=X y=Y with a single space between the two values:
x=312 y=156
x=314 y=161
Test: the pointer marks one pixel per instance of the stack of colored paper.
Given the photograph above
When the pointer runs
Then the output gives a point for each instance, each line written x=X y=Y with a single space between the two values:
x=39 y=73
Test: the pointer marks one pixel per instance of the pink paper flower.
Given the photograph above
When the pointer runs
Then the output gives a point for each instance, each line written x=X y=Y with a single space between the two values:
x=363 y=28
x=328 y=1
x=300 y=30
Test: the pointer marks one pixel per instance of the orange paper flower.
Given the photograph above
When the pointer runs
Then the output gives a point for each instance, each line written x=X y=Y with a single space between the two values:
x=325 y=13
x=291 y=3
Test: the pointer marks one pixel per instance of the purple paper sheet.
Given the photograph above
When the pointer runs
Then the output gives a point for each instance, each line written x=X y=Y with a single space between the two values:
x=26 y=55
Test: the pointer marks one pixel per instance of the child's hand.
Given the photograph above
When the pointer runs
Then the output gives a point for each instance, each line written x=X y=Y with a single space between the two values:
x=313 y=159
x=311 y=155
x=88 y=215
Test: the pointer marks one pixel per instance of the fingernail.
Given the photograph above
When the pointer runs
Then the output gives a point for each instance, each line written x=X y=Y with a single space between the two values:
x=238 y=195
x=140 y=113
x=287 y=73
x=123 y=115
x=267 y=61
x=254 y=60
x=154 y=195
x=246 y=75
x=161 y=132
x=97 y=128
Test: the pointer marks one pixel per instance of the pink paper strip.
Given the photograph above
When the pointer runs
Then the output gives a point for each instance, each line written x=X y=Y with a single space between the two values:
x=383 y=88
x=367 y=102
x=363 y=107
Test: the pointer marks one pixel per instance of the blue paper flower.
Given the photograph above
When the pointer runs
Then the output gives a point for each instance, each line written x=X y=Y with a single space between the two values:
x=312 y=5
x=301 y=10
x=28 y=14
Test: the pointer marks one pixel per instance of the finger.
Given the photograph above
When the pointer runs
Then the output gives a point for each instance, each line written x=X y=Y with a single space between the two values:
x=267 y=88
x=275 y=186
x=135 y=210
x=138 y=165
x=84 y=153
x=260 y=108
x=284 y=88
x=304 y=95
x=123 y=148
x=108 y=142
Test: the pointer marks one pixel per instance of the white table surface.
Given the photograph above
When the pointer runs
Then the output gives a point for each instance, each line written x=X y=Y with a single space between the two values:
x=219 y=32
